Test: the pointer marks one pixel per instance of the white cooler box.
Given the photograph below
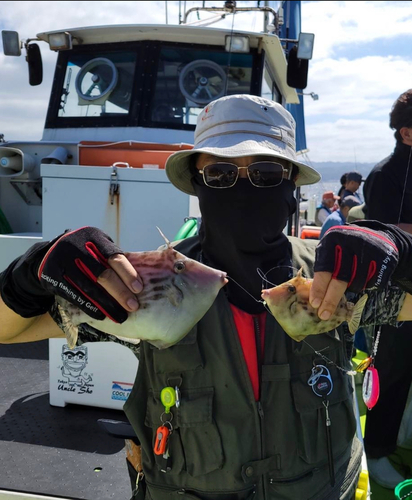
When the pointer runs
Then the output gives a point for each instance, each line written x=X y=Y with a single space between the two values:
x=98 y=374
x=102 y=373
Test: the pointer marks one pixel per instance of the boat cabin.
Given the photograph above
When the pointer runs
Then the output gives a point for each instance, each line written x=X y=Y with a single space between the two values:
x=123 y=99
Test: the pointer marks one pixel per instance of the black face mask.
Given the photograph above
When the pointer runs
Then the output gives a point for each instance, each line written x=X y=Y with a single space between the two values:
x=241 y=232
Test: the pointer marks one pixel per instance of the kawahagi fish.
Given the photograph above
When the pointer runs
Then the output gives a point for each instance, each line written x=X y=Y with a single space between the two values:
x=177 y=292
x=289 y=304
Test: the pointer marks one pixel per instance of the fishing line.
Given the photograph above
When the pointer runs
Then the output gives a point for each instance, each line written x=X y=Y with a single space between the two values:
x=244 y=289
x=265 y=282
x=329 y=361
x=263 y=275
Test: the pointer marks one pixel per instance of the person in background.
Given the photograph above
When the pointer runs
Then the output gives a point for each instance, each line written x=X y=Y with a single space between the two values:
x=326 y=207
x=338 y=217
x=250 y=423
x=342 y=185
x=387 y=192
x=353 y=182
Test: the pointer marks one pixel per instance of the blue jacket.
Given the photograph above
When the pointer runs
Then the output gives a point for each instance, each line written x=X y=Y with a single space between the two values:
x=334 y=219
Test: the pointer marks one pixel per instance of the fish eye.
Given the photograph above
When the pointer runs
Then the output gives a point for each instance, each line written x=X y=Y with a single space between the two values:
x=179 y=266
x=291 y=289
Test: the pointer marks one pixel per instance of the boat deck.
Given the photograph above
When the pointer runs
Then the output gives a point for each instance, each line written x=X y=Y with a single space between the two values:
x=61 y=452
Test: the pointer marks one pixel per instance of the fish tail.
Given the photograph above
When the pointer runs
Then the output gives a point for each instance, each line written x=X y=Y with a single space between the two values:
x=71 y=331
x=357 y=314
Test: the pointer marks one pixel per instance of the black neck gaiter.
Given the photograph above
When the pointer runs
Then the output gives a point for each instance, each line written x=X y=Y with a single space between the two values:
x=241 y=232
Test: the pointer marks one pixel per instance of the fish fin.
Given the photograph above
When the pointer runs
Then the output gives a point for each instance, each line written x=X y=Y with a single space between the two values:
x=71 y=331
x=300 y=272
x=357 y=314
x=163 y=236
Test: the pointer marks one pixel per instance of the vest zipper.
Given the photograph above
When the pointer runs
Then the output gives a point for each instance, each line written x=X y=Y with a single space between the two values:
x=258 y=338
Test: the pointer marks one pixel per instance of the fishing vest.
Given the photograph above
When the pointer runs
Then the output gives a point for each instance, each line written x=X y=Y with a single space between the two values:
x=224 y=444
x=320 y=207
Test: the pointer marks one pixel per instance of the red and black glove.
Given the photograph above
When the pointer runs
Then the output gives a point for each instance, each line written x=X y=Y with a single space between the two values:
x=67 y=266
x=367 y=255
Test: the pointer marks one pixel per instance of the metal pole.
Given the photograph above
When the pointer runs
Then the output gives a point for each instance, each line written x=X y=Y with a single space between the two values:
x=266 y=18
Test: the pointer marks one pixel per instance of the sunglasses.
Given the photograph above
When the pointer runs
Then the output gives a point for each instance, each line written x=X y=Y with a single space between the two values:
x=261 y=174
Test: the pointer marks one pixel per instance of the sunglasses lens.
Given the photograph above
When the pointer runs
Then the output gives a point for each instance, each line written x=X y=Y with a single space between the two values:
x=265 y=174
x=220 y=175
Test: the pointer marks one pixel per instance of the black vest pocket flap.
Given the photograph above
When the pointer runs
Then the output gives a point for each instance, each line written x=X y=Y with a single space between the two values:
x=181 y=357
x=306 y=400
x=195 y=408
x=201 y=440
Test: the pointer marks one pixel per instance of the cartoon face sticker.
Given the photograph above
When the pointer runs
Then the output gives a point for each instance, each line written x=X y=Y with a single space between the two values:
x=74 y=360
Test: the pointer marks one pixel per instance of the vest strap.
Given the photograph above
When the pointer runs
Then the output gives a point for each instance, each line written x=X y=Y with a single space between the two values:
x=251 y=471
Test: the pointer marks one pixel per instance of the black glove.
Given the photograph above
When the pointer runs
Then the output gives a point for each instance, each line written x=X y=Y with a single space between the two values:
x=67 y=266
x=367 y=255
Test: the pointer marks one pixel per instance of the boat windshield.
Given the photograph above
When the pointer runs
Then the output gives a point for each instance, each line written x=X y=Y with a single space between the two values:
x=149 y=84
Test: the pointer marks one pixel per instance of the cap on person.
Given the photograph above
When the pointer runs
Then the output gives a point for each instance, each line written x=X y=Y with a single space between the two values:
x=329 y=195
x=356 y=213
x=240 y=125
x=354 y=176
x=350 y=201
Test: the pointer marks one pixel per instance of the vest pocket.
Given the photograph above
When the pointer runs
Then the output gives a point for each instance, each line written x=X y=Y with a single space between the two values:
x=312 y=444
x=181 y=357
x=195 y=443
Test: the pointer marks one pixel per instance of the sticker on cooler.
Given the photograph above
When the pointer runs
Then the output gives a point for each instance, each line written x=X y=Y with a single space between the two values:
x=121 y=390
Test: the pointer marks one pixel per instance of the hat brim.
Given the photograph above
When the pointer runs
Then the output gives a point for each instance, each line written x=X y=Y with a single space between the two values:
x=178 y=164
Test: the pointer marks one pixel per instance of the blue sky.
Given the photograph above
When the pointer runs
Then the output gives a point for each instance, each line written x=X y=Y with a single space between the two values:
x=362 y=61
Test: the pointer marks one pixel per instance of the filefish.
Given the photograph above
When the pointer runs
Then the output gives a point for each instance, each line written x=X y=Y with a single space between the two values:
x=177 y=293
x=289 y=304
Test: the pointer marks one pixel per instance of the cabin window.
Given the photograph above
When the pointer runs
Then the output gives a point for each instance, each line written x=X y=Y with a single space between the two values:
x=189 y=78
x=147 y=84
x=97 y=84
x=269 y=89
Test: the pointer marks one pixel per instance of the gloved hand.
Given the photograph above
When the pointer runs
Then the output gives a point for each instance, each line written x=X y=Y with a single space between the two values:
x=67 y=266
x=367 y=255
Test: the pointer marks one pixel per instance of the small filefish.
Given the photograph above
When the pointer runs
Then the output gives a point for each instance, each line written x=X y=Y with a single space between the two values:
x=289 y=304
x=177 y=293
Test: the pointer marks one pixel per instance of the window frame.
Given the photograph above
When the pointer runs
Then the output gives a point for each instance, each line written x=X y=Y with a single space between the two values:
x=144 y=78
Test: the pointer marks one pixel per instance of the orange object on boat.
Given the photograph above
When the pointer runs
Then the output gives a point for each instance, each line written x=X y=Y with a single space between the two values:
x=135 y=154
x=310 y=232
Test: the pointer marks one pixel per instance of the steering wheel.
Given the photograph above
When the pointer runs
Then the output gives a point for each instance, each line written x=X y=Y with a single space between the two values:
x=202 y=81
x=96 y=80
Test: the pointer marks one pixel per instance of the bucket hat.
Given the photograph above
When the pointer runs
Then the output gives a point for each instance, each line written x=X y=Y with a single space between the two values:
x=356 y=213
x=240 y=125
